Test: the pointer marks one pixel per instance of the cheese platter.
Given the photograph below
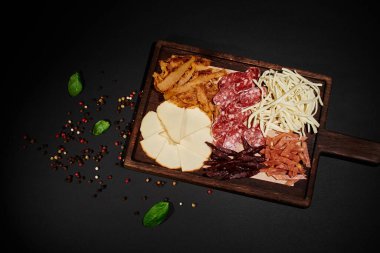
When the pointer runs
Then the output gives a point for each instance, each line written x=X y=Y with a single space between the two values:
x=236 y=124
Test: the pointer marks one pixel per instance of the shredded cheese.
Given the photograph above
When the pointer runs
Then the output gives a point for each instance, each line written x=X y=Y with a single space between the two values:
x=288 y=103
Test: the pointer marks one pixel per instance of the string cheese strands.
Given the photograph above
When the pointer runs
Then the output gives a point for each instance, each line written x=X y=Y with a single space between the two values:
x=289 y=103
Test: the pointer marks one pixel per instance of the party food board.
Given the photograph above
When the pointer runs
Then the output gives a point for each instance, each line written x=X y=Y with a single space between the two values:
x=235 y=124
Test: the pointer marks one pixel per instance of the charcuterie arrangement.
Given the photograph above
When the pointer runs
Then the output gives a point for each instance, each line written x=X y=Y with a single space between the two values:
x=228 y=124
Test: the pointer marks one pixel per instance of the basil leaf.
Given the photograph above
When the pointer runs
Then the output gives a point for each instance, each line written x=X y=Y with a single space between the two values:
x=100 y=127
x=156 y=214
x=75 y=85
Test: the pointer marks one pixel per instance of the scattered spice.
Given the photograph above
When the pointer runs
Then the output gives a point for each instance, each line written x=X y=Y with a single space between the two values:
x=74 y=130
x=160 y=183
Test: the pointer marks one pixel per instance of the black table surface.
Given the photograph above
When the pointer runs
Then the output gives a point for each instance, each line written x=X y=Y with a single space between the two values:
x=110 y=43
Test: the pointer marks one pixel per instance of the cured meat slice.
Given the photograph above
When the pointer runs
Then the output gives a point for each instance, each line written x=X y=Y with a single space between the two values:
x=221 y=126
x=253 y=73
x=223 y=82
x=225 y=96
x=238 y=118
x=250 y=97
x=233 y=108
x=254 y=137
x=242 y=82
x=233 y=139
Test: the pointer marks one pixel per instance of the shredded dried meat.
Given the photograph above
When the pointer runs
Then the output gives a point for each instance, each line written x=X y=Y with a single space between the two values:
x=286 y=155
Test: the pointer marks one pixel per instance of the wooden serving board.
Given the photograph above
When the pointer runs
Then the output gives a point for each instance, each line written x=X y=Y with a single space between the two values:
x=325 y=141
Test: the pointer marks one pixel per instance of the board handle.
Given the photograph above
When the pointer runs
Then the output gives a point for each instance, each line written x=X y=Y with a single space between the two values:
x=348 y=146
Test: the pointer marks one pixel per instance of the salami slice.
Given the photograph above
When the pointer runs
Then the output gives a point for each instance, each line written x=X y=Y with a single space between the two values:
x=233 y=139
x=239 y=117
x=225 y=96
x=250 y=97
x=254 y=137
x=223 y=82
x=243 y=84
x=221 y=126
x=233 y=107
x=253 y=73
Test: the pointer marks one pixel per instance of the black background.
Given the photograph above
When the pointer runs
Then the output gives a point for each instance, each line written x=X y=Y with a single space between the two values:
x=110 y=44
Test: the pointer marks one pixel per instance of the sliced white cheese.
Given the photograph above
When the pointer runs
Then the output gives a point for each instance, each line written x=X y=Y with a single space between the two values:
x=153 y=145
x=171 y=117
x=169 y=157
x=194 y=120
x=196 y=142
x=167 y=137
x=190 y=160
x=150 y=125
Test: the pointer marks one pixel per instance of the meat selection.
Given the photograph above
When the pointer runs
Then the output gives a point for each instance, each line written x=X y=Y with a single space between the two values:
x=237 y=91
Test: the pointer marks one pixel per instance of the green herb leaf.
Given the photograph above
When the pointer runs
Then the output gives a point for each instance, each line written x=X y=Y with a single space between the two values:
x=75 y=85
x=156 y=214
x=100 y=127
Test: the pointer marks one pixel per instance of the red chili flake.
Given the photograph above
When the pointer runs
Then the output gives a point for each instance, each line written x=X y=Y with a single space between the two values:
x=84 y=120
x=127 y=180
x=81 y=103
x=119 y=158
x=57 y=135
x=117 y=143
x=82 y=140
x=109 y=176
x=209 y=191
x=77 y=174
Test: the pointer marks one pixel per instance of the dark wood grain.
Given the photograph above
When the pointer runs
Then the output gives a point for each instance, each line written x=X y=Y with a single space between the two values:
x=301 y=194
x=346 y=146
